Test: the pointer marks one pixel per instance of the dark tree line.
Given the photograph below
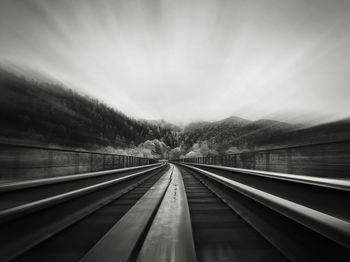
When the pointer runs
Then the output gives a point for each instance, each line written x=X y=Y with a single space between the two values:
x=260 y=134
x=49 y=113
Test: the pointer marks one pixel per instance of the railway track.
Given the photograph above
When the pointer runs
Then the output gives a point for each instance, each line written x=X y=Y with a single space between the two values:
x=30 y=225
x=300 y=222
x=174 y=213
x=219 y=233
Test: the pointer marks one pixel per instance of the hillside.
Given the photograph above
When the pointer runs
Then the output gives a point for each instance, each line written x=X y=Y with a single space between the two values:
x=51 y=114
x=234 y=131
x=162 y=124
x=236 y=134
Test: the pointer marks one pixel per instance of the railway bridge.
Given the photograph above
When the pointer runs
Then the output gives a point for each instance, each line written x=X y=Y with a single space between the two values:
x=175 y=211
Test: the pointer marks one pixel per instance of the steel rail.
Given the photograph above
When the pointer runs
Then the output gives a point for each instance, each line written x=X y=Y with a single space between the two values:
x=18 y=211
x=339 y=184
x=329 y=226
x=119 y=243
x=12 y=186
x=170 y=236
x=12 y=250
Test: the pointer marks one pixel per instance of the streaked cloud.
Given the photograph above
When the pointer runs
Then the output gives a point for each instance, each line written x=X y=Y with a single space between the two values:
x=189 y=60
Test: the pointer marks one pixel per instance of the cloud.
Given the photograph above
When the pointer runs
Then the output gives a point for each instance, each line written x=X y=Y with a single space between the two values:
x=188 y=60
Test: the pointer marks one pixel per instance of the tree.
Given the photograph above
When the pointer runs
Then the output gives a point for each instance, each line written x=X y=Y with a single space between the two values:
x=175 y=153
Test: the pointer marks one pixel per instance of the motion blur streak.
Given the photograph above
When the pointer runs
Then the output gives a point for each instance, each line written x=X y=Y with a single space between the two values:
x=284 y=58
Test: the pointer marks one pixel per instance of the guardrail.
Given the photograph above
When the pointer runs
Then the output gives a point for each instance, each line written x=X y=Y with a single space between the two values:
x=331 y=159
x=19 y=162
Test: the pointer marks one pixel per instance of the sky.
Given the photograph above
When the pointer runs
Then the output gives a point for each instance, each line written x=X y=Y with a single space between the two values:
x=188 y=60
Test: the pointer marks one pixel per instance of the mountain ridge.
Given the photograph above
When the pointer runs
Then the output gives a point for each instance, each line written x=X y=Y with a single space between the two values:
x=50 y=113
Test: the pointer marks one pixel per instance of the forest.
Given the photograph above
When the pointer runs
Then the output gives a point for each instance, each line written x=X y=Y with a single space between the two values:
x=235 y=135
x=47 y=114
x=50 y=114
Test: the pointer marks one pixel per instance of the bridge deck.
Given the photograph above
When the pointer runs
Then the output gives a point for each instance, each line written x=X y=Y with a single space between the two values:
x=176 y=213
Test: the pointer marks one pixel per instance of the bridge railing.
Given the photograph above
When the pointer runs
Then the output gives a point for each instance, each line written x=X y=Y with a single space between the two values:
x=331 y=159
x=19 y=162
